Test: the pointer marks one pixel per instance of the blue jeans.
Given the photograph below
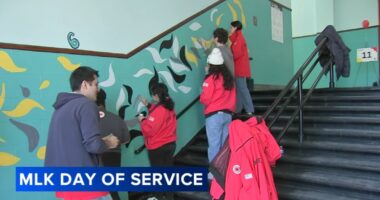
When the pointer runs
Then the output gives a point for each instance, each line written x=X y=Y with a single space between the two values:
x=217 y=132
x=243 y=97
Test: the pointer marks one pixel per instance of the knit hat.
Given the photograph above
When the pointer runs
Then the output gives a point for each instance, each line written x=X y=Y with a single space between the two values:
x=215 y=57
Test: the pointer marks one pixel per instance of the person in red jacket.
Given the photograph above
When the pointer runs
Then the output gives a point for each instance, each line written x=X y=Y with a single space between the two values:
x=219 y=100
x=242 y=68
x=159 y=129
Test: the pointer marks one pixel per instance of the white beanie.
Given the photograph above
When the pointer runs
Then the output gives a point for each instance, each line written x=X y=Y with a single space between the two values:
x=215 y=57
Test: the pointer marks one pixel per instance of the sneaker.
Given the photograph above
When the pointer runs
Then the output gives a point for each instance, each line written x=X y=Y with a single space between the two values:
x=152 y=198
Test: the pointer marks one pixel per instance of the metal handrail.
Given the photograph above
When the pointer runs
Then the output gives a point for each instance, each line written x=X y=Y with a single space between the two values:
x=300 y=78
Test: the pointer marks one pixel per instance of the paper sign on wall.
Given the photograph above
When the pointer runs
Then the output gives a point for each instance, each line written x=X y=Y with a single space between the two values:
x=366 y=54
x=277 y=23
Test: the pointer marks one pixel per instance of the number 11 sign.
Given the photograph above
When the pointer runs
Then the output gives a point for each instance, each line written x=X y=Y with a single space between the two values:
x=366 y=54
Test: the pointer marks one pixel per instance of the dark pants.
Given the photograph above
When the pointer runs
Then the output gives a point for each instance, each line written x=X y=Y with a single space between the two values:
x=162 y=157
x=112 y=159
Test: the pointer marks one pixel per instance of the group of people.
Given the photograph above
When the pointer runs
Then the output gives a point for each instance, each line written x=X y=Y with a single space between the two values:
x=83 y=133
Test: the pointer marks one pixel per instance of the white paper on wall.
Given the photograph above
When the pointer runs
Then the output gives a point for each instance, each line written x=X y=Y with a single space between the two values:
x=277 y=23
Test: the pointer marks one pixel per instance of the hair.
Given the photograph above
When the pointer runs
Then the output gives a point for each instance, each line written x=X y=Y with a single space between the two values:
x=221 y=34
x=217 y=70
x=237 y=25
x=161 y=90
x=81 y=74
x=101 y=98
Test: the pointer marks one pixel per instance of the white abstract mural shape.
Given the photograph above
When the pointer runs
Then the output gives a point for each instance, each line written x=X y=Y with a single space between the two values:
x=195 y=26
x=120 y=99
x=111 y=78
x=175 y=47
x=184 y=89
x=212 y=14
x=169 y=79
x=177 y=67
x=142 y=72
x=155 y=55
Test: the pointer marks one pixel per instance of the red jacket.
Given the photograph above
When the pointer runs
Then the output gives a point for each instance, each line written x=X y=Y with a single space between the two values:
x=240 y=52
x=159 y=127
x=214 y=97
x=80 y=195
x=249 y=175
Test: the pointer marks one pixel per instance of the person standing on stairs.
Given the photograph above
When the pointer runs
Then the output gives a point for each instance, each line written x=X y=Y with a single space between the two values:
x=111 y=123
x=219 y=100
x=159 y=130
x=242 y=68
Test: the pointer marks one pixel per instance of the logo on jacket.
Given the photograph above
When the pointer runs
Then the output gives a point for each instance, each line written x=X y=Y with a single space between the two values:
x=150 y=118
x=101 y=114
x=205 y=84
x=236 y=169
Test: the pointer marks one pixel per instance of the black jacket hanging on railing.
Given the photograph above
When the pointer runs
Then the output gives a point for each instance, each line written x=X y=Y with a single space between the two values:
x=337 y=48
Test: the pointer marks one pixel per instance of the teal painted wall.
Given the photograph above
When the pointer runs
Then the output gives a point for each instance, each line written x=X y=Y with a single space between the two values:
x=30 y=81
x=362 y=74
x=272 y=61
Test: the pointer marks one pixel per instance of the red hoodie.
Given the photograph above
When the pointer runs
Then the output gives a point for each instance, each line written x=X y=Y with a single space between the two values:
x=214 y=97
x=159 y=127
x=240 y=52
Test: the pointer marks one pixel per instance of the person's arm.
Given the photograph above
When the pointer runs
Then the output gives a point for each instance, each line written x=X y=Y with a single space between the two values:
x=238 y=48
x=152 y=123
x=89 y=126
x=208 y=88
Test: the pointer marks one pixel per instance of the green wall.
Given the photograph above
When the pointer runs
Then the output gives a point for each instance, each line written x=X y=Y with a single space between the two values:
x=272 y=61
x=362 y=74
x=30 y=81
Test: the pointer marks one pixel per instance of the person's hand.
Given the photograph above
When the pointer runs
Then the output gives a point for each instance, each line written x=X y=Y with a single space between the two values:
x=144 y=100
x=140 y=117
x=232 y=30
x=111 y=141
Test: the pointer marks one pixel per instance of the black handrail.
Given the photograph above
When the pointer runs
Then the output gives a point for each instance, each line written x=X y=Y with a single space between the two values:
x=142 y=147
x=300 y=78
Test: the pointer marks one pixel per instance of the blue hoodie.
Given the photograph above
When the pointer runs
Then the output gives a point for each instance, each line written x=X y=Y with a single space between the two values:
x=74 y=136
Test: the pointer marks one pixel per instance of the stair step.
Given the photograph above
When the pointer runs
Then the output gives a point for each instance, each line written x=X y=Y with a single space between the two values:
x=198 y=148
x=332 y=159
x=328 y=108
x=290 y=190
x=353 y=180
x=335 y=144
x=192 y=195
x=190 y=159
x=325 y=98
x=325 y=130
x=335 y=119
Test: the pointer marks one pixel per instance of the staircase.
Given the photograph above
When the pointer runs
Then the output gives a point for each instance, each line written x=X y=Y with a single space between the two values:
x=339 y=158
x=340 y=155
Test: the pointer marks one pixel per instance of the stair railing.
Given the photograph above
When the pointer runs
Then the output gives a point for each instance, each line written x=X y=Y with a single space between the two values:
x=300 y=78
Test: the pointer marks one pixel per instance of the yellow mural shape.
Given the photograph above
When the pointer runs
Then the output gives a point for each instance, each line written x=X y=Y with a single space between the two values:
x=243 y=20
x=233 y=12
x=44 y=84
x=66 y=63
x=7 y=63
x=191 y=57
x=2 y=95
x=41 y=153
x=7 y=159
x=218 y=20
x=2 y=140
x=23 y=108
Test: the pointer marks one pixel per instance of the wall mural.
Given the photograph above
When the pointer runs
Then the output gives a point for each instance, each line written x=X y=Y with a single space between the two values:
x=30 y=82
